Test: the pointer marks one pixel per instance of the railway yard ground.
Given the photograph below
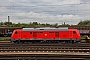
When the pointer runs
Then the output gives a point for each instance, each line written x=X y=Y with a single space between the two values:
x=44 y=51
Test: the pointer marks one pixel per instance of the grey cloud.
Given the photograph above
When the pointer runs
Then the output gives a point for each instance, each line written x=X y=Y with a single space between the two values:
x=85 y=0
x=45 y=10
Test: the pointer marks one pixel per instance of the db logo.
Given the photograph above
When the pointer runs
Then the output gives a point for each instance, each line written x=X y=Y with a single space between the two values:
x=45 y=34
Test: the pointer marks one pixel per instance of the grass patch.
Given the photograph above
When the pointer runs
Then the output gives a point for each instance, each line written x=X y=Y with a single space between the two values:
x=5 y=38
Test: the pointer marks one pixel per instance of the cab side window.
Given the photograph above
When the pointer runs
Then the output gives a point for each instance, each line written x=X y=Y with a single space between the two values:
x=16 y=32
x=74 y=32
x=30 y=32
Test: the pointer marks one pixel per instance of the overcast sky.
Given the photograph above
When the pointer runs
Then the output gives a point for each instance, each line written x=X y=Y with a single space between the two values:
x=45 y=11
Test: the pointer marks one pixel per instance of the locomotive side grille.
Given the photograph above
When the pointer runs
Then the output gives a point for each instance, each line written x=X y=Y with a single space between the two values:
x=34 y=34
x=56 y=34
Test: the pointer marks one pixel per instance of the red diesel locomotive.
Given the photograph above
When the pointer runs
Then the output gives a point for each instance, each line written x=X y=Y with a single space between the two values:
x=45 y=34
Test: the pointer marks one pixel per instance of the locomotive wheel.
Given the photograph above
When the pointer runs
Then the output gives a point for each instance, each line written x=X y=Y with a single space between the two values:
x=72 y=41
x=13 y=41
x=30 y=42
x=18 y=41
x=21 y=42
x=68 y=41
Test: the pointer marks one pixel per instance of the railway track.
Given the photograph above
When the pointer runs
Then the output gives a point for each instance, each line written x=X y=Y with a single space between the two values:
x=9 y=51
x=45 y=50
x=42 y=57
x=46 y=44
x=28 y=49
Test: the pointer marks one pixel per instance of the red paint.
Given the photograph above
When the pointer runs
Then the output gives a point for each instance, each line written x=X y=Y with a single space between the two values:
x=70 y=33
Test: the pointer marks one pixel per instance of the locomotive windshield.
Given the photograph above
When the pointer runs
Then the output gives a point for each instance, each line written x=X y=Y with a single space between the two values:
x=16 y=32
x=74 y=32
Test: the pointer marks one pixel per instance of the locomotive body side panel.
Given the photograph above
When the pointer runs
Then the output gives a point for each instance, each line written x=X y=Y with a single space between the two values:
x=52 y=34
x=41 y=35
x=26 y=34
x=64 y=34
x=47 y=35
x=70 y=34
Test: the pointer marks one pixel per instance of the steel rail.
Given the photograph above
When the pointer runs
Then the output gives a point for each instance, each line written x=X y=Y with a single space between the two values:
x=70 y=45
x=43 y=57
x=42 y=47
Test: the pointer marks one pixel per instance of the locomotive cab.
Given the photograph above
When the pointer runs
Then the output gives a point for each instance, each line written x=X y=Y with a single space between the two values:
x=15 y=35
x=76 y=35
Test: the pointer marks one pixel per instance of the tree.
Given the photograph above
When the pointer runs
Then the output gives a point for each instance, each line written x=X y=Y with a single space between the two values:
x=35 y=23
x=84 y=23
x=56 y=24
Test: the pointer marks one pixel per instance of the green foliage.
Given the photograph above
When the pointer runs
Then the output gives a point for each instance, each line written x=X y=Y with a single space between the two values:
x=65 y=25
x=56 y=24
x=84 y=23
x=31 y=24
x=36 y=24
x=4 y=38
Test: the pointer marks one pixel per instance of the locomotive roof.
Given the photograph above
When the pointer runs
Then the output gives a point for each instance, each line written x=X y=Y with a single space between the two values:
x=62 y=28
